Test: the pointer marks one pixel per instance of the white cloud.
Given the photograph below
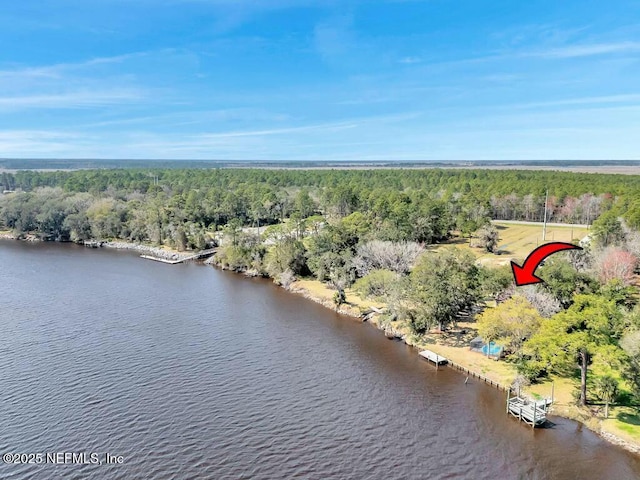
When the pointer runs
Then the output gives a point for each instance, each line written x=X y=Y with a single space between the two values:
x=69 y=100
x=56 y=70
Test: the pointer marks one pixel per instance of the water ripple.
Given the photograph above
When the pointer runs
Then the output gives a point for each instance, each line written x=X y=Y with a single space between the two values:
x=192 y=373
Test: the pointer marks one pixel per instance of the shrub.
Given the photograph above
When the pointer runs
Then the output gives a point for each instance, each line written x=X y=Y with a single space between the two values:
x=378 y=283
x=531 y=370
x=339 y=297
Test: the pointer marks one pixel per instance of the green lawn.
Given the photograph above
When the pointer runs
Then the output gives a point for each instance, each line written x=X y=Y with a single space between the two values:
x=516 y=241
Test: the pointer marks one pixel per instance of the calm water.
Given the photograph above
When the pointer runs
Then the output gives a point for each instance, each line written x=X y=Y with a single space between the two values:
x=188 y=372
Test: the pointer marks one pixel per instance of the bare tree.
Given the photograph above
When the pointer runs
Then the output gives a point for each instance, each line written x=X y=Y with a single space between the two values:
x=286 y=278
x=488 y=237
x=545 y=303
x=632 y=240
x=398 y=257
x=615 y=263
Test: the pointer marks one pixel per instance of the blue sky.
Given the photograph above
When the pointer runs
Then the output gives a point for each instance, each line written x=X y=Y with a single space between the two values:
x=320 y=79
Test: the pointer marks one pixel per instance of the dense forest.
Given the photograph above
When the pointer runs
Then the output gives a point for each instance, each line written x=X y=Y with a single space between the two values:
x=418 y=205
x=369 y=229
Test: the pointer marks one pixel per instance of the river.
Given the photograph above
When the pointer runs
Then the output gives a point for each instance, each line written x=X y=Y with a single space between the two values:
x=188 y=372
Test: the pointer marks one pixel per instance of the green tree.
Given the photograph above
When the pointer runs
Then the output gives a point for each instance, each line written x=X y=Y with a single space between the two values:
x=339 y=297
x=304 y=204
x=607 y=229
x=606 y=387
x=376 y=284
x=563 y=281
x=576 y=336
x=511 y=323
x=442 y=285
x=287 y=254
x=494 y=282
x=630 y=343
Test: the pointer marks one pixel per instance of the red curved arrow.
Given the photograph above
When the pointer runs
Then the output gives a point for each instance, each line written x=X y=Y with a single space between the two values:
x=524 y=275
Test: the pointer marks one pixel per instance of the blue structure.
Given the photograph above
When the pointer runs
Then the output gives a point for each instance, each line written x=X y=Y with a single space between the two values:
x=491 y=349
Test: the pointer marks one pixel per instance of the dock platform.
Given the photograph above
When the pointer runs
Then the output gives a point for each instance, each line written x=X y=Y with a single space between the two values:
x=433 y=357
x=531 y=412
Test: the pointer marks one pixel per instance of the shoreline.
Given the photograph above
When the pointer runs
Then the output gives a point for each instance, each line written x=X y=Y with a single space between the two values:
x=591 y=422
x=367 y=312
x=159 y=252
x=164 y=253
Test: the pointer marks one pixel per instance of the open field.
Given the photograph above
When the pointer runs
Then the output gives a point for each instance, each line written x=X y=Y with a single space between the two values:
x=628 y=167
x=517 y=240
x=602 y=169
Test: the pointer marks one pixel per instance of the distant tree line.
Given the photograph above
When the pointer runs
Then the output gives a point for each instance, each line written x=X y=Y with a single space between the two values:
x=405 y=200
x=178 y=207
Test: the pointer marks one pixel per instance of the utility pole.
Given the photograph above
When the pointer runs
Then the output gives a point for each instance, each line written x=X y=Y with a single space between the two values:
x=544 y=225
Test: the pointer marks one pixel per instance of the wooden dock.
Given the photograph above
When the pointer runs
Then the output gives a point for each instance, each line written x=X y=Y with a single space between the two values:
x=433 y=357
x=531 y=412
x=195 y=256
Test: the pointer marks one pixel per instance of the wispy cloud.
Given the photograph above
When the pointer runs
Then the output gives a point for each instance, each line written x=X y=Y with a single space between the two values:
x=585 y=50
x=193 y=117
x=56 y=70
x=351 y=78
x=551 y=53
x=607 y=99
x=70 y=100
x=281 y=131
x=44 y=143
x=286 y=142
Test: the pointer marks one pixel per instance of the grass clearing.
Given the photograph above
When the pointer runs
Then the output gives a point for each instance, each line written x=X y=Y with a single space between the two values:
x=324 y=294
x=623 y=422
x=516 y=241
